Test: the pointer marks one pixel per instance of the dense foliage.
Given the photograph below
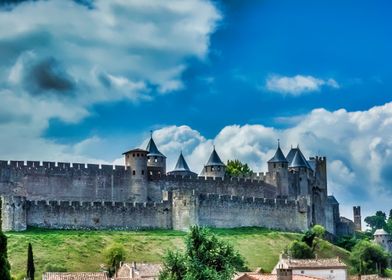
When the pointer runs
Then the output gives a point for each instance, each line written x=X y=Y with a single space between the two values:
x=4 y=264
x=30 y=263
x=205 y=258
x=114 y=255
x=376 y=221
x=235 y=168
x=305 y=249
x=300 y=250
x=369 y=258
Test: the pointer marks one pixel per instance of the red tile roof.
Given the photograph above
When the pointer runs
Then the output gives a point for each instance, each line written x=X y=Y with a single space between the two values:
x=75 y=276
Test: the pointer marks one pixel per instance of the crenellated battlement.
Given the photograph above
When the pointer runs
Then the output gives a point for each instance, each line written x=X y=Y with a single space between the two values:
x=97 y=204
x=58 y=166
x=256 y=201
x=200 y=179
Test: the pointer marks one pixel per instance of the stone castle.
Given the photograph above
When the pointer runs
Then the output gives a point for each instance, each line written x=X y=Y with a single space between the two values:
x=292 y=195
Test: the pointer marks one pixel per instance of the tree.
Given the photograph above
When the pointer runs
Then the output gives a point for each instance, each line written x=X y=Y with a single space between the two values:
x=30 y=263
x=313 y=235
x=235 y=168
x=205 y=258
x=4 y=264
x=376 y=221
x=369 y=258
x=300 y=250
x=114 y=255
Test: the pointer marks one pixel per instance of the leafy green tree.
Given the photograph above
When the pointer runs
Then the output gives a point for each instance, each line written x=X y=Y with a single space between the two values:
x=313 y=235
x=369 y=258
x=376 y=221
x=54 y=267
x=205 y=258
x=174 y=266
x=114 y=255
x=235 y=168
x=4 y=264
x=300 y=250
x=30 y=263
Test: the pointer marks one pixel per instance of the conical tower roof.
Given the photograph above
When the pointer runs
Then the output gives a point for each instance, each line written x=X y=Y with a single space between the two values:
x=300 y=161
x=181 y=164
x=152 y=149
x=279 y=156
x=214 y=159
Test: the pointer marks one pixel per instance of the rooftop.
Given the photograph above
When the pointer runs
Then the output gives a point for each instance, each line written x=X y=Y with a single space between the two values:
x=74 y=276
x=214 y=159
x=153 y=149
x=310 y=263
x=258 y=276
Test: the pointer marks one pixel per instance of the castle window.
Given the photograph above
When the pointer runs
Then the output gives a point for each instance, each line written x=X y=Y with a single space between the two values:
x=282 y=165
x=142 y=172
x=133 y=155
x=156 y=160
x=138 y=155
x=274 y=165
x=219 y=168
x=133 y=172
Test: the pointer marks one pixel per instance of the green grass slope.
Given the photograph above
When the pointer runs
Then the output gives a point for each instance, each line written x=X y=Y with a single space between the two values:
x=82 y=250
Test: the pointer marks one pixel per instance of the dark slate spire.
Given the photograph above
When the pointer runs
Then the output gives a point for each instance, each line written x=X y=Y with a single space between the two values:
x=300 y=161
x=181 y=164
x=279 y=156
x=152 y=149
x=214 y=159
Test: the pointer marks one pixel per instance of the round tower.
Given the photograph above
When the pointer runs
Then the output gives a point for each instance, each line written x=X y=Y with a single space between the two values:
x=214 y=167
x=278 y=170
x=136 y=163
x=156 y=161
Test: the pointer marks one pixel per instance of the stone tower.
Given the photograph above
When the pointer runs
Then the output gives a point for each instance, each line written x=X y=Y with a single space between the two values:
x=357 y=218
x=136 y=163
x=156 y=161
x=13 y=213
x=278 y=170
x=299 y=166
x=382 y=238
x=214 y=167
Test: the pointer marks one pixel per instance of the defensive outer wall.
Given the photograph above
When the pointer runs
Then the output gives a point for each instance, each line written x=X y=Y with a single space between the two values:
x=80 y=196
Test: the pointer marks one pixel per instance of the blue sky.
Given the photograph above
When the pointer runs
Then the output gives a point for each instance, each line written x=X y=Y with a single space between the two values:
x=87 y=80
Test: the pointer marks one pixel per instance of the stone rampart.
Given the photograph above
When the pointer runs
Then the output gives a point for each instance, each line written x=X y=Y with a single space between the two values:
x=226 y=186
x=64 y=181
x=225 y=211
x=99 y=215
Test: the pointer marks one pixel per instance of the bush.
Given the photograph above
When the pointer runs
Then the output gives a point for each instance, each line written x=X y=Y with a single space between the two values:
x=54 y=267
x=300 y=250
x=114 y=254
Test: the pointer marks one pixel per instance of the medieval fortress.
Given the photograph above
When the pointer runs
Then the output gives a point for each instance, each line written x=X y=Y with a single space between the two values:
x=292 y=195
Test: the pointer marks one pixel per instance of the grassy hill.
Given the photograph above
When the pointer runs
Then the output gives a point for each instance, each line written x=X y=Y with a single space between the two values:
x=82 y=250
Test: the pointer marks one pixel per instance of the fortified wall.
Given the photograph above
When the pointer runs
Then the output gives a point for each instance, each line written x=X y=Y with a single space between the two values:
x=291 y=196
x=181 y=210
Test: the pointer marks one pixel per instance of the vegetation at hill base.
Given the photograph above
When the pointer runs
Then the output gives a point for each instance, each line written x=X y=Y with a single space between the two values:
x=206 y=257
x=78 y=250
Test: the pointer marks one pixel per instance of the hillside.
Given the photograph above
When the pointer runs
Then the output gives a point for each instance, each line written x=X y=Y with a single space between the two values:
x=81 y=250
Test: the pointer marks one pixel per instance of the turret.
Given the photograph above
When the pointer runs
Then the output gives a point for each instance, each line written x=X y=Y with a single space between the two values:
x=136 y=163
x=156 y=161
x=182 y=168
x=298 y=165
x=357 y=218
x=214 y=167
x=278 y=170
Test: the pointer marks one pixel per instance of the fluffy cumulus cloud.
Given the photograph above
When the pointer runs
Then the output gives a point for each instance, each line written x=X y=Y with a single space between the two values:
x=358 y=146
x=60 y=57
x=298 y=84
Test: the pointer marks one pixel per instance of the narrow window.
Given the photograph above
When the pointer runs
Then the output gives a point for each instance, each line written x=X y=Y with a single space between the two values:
x=137 y=155
x=133 y=172
x=133 y=155
x=142 y=172
x=274 y=165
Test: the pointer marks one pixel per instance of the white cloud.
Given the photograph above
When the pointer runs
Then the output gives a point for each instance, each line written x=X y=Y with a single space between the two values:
x=56 y=67
x=298 y=84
